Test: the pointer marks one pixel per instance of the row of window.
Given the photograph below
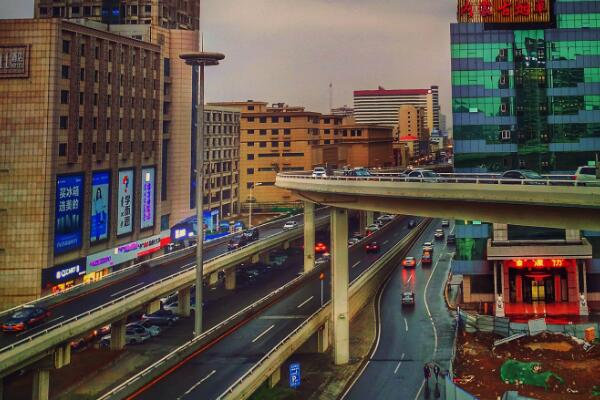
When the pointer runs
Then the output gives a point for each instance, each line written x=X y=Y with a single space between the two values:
x=560 y=133
x=273 y=155
x=496 y=106
x=63 y=123
x=129 y=101
x=62 y=148
x=221 y=117
x=273 y=144
x=264 y=120
x=66 y=73
x=66 y=49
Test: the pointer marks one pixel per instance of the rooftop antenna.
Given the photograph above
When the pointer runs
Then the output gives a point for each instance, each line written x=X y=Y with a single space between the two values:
x=330 y=96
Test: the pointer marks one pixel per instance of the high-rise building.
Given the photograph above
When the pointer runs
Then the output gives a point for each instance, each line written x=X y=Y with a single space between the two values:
x=381 y=106
x=525 y=80
x=411 y=122
x=170 y=14
x=343 y=111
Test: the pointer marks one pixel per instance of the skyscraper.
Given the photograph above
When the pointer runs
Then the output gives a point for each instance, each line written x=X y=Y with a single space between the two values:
x=526 y=94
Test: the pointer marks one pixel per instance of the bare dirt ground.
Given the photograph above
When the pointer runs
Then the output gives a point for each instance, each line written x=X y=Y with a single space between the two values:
x=557 y=353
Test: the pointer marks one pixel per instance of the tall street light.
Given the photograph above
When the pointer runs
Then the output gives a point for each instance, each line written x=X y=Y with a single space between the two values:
x=252 y=201
x=200 y=60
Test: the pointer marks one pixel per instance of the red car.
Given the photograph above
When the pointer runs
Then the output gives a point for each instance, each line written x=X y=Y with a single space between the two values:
x=320 y=248
x=426 y=258
x=372 y=247
x=409 y=262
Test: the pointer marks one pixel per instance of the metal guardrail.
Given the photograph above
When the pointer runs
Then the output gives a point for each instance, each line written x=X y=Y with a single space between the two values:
x=191 y=268
x=551 y=180
x=181 y=253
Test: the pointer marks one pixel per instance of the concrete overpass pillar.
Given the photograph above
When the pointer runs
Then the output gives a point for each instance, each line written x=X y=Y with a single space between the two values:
x=323 y=338
x=370 y=218
x=41 y=384
x=286 y=245
x=254 y=259
x=1 y=388
x=117 y=334
x=362 y=222
x=274 y=378
x=62 y=355
x=213 y=279
x=153 y=306
x=230 y=279
x=309 y=236
x=339 y=274
x=183 y=299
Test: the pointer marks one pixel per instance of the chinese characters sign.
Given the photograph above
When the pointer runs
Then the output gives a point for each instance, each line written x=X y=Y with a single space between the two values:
x=147 y=205
x=504 y=11
x=99 y=213
x=14 y=62
x=68 y=213
x=125 y=202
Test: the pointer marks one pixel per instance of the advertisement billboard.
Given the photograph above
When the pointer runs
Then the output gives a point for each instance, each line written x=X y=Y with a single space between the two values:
x=63 y=273
x=147 y=204
x=99 y=214
x=68 y=213
x=125 y=202
x=505 y=11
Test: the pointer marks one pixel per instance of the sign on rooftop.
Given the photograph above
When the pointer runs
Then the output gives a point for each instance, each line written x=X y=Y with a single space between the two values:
x=504 y=11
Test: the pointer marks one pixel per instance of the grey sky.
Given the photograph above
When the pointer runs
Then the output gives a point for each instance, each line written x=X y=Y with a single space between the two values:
x=290 y=50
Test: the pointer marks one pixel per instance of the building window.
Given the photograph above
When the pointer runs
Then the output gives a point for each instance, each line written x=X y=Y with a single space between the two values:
x=62 y=149
x=250 y=107
x=63 y=122
x=263 y=132
x=164 y=222
x=287 y=131
x=274 y=144
x=274 y=131
x=66 y=46
x=82 y=74
x=263 y=120
x=43 y=11
x=249 y=185
x=250 y=119
x=65 y=72
x=287 y=119
x=250 y=156
x=274 y=119
x=262 y=144
x=64 y=97
x=147 y=8
x=167 y=66
x=250 y=144
x=250 y=171
x=286 y=144
x=87 y=11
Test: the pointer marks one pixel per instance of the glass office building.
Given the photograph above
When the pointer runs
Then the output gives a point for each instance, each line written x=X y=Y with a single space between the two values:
x=526 y=94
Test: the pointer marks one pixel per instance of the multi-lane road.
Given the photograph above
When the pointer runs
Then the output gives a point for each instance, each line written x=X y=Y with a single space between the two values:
x=209 y=373
x=408 y=337
x=97 y=297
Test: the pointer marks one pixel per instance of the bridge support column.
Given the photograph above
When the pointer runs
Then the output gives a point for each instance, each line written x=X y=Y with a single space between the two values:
x=323 y=338
x=62 y=355
x=339 y=274
x=230 y=279
x=286 y=245
x=309 y=236
x=183 y=299
x=370 y=217
x=254 y=259
x=1 y=388
x=153 y=306
x=213 y=279
x=117 y=334
x=41 y=384
x=274 y=378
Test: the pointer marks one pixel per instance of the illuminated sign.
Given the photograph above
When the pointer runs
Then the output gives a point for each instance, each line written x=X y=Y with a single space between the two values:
x=504 y=11
x=147 y=205
x=62 y=273
x=68 y=213
x=540 y=263
x=99 y=215
x=125 y=202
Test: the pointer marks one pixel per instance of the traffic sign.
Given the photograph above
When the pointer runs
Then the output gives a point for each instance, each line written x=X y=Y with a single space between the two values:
x=295 y=375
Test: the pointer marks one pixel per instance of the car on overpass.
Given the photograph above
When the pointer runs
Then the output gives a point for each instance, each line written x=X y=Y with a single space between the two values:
x=319 y=172
x=289 y=225
x=445 y=223
x=451 y=239
x=411 y=224
x=426 y=258
x=586 y=176
x=353 y=240
x=409 y=262
x=358 y=172
x=438 y=234
x=320 y=247
x=237 y=242
x=424 y=175
x=372 y=247
x=408 y=299
x=522 y=176
x=251 y=234
x=428 y=246
x=25 y=318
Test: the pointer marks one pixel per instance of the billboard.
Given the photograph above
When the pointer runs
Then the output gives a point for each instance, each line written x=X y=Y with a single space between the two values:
x=62 y=273
x=147 y=204
x=99 y=214
x=68 y=213
x=504 y=11
x=125 y=202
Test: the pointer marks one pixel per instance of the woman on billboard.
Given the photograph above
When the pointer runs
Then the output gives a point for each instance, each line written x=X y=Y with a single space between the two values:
x=99 y=217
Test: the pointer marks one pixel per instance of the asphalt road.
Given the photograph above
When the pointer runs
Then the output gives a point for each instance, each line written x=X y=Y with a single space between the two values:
x=408 y=337
x=95 y=298
x=211 y=372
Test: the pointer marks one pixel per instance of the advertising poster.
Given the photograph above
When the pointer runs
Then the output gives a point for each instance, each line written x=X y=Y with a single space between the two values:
x=147 y=204
x=125 y=202
x=68 y=213
x=99 y=212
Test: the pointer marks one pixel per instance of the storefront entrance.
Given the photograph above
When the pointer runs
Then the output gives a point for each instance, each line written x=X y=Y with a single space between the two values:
x=538 y=285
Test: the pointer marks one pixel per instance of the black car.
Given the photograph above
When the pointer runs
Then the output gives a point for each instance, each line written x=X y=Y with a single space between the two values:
x=251 y=234
x=451 y=239
x=412 y=223
x=25 y=318
x=161 y=317
x=237 y=242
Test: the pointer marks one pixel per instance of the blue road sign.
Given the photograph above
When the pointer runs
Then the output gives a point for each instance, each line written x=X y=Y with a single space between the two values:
x=295 y=375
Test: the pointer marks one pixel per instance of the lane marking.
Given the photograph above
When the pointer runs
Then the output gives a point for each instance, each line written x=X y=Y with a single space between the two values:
x=283 y=317
x=126 y=290
x=37 y=326
x=187 y=265
x=264 y=333
x=386 y=242
x=197 y=384
x=306 y=301
x=405 y=324
x=356 y=264
x=399 y=364
x=409 y=278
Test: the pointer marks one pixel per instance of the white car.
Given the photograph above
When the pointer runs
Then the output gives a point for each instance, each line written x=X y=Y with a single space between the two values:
x=352 y=241
x=319 y=172
x=586 y=176
x=290 y=225
x=427 y=246
x=372 y=228
x=445 y=223
x=153 y=330
x=384 y=219
x=133 y=335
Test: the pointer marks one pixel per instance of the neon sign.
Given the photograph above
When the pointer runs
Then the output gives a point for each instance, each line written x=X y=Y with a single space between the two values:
x=540 y=263
x=504 y=11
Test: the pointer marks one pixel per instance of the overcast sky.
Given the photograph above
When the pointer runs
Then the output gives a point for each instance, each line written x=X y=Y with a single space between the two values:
x=290 y=50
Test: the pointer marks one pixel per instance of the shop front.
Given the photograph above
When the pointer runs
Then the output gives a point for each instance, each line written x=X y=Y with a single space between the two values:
x=63 y=276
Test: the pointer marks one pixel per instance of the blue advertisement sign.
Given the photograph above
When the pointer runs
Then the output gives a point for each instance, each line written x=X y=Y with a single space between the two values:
x=147 y=211
x=63 y=273
x=68 y=213
x=295 y=375
x=99 y=212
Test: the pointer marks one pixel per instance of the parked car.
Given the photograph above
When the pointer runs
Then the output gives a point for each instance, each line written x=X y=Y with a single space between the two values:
x=289 y=225
x=451 y=239
x=133 y=335
x=428 y=246
x=424 y=175
x=409 y=262
x=445 y=223
x=319 y=172
x=324 y=258
x=411 y=224
x=161 y=317
x=237 y=242
x=586 y=176
x=372 y=228
x=82 y=342
x=153 y=330
x=426 y=257
x=353 y=240
x=408 y=299
x=251 y=234
x=25 y=318
x=358 y=235
x=359 y=172
x=438 y=234
x=372 y=247
x=384 y=219
x=522 y=176
x=320 y=247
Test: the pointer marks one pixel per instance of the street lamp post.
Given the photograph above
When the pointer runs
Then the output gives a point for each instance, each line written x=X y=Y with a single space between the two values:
x=250 y=205
x=200 y=60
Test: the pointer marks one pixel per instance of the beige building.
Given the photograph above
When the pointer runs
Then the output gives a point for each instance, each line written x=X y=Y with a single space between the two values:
x=411 y=122
x=80 y=117
x=367 y=146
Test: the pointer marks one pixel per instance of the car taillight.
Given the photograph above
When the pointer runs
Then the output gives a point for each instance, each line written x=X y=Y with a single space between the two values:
x=574 y=177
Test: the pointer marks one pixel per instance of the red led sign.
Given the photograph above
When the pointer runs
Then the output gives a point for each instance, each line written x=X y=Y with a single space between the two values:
x=503 y=11
x=540 y=263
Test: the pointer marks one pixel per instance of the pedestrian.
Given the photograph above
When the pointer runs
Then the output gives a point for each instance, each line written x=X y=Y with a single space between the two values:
x=426 y=372
x=436 y=371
